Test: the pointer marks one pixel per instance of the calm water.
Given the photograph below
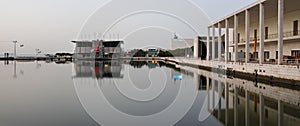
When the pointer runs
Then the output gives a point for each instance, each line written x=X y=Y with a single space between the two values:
x=138 y=93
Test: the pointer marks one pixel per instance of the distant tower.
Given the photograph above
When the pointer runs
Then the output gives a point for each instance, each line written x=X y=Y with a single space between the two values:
x=175 y=36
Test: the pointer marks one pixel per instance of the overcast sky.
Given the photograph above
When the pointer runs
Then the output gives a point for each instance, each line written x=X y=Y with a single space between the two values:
x=50 y=25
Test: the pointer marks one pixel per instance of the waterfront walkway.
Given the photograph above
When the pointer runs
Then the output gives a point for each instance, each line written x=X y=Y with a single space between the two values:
x=272 y=71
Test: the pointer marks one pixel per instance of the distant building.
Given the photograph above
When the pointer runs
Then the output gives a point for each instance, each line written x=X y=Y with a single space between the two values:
x=188 y=43
x=178 y=43
x=98 y=49
x=152 y=52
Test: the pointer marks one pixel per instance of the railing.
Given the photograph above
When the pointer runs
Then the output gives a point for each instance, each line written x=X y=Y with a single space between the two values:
x=291 y=61
x=271 y=36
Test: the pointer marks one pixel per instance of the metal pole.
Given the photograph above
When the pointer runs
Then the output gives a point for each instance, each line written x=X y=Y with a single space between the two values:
x=15 y=49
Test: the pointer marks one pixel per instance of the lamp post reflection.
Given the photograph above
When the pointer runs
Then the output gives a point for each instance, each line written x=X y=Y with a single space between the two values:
x=15 y=69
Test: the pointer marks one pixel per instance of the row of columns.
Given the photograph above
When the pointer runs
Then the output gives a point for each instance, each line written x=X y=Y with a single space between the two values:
x=211 y=99
x=211 y=55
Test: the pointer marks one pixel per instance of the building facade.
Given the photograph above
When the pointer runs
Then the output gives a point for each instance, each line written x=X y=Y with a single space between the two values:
x=98 y=49
x=265 y=31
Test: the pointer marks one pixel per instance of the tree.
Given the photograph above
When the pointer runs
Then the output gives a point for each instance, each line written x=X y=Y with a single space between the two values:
x=139 y=53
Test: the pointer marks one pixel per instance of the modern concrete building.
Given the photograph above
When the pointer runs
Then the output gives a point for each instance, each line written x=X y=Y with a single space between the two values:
x=265 y=31
x=201 y=49
x=199 y=43
x=98 y=49
x=183 y=43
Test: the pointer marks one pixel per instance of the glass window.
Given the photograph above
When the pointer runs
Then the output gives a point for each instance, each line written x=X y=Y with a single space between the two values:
x=296 y=53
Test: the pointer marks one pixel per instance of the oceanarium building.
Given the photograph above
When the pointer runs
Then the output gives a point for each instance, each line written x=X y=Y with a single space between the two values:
x=266 y=31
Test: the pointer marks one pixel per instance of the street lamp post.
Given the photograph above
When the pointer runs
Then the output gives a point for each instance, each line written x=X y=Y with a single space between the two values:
x=37 y=52
x=15 y=49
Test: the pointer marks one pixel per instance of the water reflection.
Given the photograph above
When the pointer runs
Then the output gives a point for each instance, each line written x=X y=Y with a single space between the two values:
x=99 y=70
x=214 y=99
x=242 y=102
x=139 y=93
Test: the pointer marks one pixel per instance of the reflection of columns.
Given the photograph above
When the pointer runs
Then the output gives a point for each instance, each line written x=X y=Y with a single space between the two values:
x=196 y=81
x=235 y=38
x=208 y=92
x=219 y=99
x=208 y=44
x=226 y=104
x=226 y=39
x=262 y=33
x=261 y=110
x=213 y=93
x=280 y=31
x=213 y=46
x=235 y=107
x=219 y=41
x=280 y=113
x=196 y=47
x=247 y=113
x=247 y=35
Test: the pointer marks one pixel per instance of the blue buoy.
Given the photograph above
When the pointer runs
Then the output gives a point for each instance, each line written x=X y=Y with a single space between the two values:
x=177 y=76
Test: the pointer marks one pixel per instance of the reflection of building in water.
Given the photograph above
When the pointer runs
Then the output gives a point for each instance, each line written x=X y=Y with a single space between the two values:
x=237 y=102
x=140 y=64
x=200 y=81
x=242 y=101
x=98 y=69
x=152 y=64
x=108 y=69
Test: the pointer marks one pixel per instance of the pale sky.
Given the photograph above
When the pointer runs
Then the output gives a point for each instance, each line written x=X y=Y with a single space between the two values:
x=50 y=25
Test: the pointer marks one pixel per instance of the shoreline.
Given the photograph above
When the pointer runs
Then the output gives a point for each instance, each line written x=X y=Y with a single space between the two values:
x=243 y=73
x=266 y=73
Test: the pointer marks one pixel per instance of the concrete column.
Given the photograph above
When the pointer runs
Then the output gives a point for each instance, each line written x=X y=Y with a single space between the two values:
x=261 y=110
x=262 y=32
x=235 y=38
x=226 y=40
x=280 y=31
x=213 y=52
x=247 y=34
x=280 y=113
x=247 y=112
x=196 y=48
x=208 y=44
x=219 y=41
x=235 y=106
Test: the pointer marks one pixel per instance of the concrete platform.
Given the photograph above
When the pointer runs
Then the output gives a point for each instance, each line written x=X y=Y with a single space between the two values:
x=265 y=72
